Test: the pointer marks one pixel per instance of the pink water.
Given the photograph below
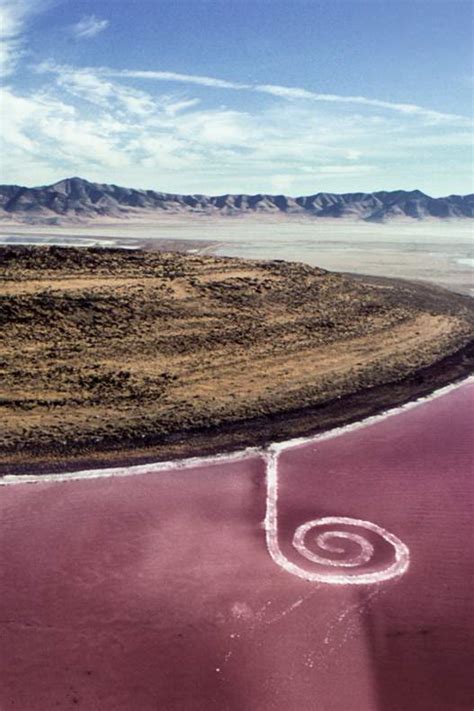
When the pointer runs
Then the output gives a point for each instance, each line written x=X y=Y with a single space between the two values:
x=157 y=591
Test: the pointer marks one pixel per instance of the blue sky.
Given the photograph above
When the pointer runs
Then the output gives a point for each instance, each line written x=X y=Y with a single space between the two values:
x=216 y=96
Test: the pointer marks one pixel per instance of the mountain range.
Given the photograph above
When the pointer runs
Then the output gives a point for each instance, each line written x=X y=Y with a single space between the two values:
x=76 y=199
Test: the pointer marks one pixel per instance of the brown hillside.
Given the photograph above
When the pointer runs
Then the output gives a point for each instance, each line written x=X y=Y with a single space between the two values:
x=112 y=349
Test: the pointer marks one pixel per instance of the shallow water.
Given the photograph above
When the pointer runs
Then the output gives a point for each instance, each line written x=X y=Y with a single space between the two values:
x=440 y=254
x=158 y=590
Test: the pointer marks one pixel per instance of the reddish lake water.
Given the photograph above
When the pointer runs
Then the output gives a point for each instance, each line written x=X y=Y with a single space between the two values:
x=157 y=591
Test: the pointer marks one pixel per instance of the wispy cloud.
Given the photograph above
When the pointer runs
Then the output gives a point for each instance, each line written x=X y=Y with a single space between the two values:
x=91 y=86
x=121 y=124
x=14 y=15
x=174 y=107
x=406 y=109
x=282 y=92
x=89 y=26
x=170 y=130
x=291 y=93
x=96 y=88
x=184 y=78
x=178 y=145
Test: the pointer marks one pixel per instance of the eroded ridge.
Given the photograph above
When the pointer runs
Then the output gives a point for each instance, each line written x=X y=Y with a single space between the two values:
x=331 y=541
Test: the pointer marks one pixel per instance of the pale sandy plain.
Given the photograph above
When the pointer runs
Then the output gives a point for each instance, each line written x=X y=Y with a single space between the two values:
x=440 y=252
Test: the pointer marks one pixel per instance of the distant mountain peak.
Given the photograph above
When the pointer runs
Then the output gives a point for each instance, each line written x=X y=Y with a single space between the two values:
x=418 y=194
x=77 y=199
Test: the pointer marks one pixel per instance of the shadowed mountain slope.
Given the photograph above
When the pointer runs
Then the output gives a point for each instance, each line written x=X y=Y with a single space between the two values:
x=77 y=199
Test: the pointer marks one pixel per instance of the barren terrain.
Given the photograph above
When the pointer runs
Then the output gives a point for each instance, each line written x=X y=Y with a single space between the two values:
x=112 y=353
x=75 y=200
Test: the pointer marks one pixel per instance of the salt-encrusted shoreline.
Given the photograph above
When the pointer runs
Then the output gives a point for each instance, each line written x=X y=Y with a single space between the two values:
x=220 y=354
x=351 y=412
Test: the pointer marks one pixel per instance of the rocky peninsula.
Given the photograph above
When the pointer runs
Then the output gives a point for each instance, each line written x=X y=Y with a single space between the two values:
x=113 y=356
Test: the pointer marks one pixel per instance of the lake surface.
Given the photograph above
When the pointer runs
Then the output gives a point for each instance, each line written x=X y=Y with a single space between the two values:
x=167 y=590
x=158 y=589
x=438 y=252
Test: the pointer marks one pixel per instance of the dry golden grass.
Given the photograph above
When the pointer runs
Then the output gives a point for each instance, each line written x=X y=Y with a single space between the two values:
x=100 y=347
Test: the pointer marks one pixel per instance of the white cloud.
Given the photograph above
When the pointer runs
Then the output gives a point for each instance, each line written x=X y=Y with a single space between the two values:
x=183 y=78
x=407 y=109
x=96 y=122
x=105 y=125
x=36 y=127
x=219 y=127
x=89 y=26
x=284 y=92
x=176 y=106
x=178 y=146
x=293 y=93
x=14 y=15
x=92 y=86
